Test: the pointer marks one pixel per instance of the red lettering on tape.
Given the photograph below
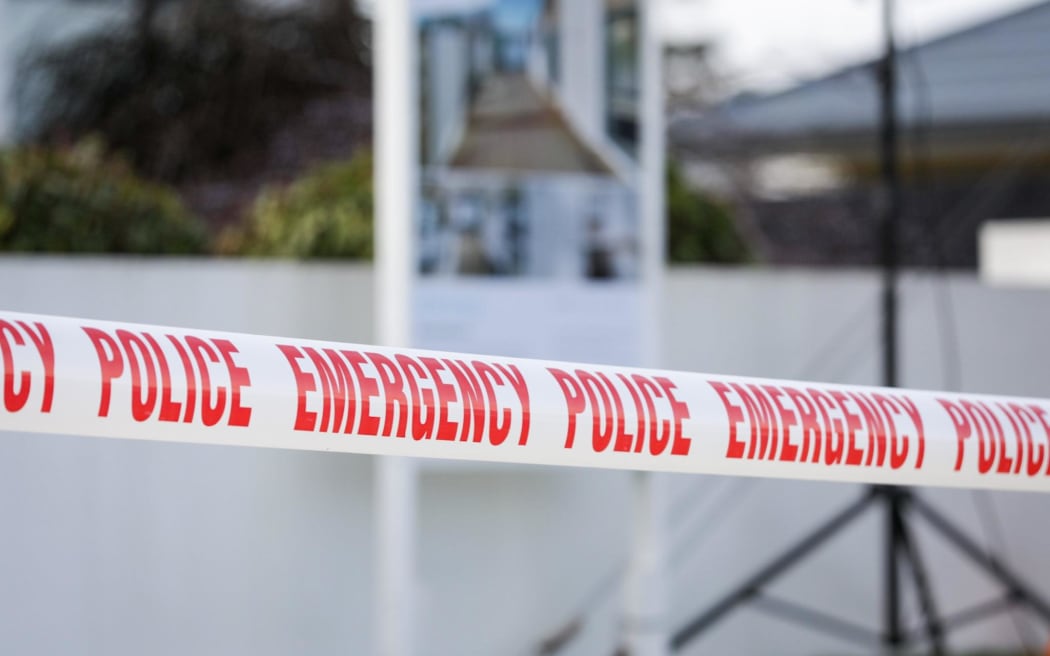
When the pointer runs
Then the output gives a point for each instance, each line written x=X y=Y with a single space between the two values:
x=654 y=410
x=376 y=395
x=26 y=345
x=138 y=362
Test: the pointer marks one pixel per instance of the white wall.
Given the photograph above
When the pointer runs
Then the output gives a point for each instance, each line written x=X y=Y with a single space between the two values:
x=1015 y=252
x=114 y=547
x=118 y=548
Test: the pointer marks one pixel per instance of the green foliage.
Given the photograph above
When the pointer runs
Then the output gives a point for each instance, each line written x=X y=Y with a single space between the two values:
x=201 y=87
x=699 y=228
x=83 y=200
x=326 y=213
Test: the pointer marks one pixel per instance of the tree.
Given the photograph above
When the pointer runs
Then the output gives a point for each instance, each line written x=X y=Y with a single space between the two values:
x=201 y=93
x=699 y=228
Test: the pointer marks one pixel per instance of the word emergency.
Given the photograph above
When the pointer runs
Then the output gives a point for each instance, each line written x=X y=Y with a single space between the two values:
x=26 y=345
x=834 y=426
x=371 y=394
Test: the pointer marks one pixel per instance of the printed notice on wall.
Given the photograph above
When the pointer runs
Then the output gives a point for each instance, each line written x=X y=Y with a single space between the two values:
x=529 y=216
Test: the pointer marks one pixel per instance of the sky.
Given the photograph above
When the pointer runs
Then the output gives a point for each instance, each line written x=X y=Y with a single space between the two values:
x=516 y=15
x=438 y=6
x=767 y=44
x=762 y=45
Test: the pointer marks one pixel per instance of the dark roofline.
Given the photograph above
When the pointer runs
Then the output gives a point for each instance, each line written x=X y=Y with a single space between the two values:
x=748 y=98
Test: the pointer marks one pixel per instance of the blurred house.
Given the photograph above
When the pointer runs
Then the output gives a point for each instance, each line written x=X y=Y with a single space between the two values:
x=571 y=63
x=801 y=164
x=456 y=52
x=585 y=56
x=529 y=123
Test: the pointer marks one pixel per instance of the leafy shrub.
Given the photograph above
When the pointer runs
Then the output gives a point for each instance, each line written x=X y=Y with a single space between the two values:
x=326 y=213
x=192 y=89
x=84 y=200
x=699 y=228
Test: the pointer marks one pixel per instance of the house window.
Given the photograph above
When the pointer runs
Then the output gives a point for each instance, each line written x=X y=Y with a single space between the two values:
x=550 y=34
x=553 y=56
x=622 y=77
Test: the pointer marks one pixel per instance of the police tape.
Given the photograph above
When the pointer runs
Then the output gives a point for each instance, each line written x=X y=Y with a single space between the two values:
x=117 y=380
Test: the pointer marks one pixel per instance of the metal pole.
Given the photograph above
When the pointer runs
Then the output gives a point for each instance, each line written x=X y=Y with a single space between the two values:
x=1018 y=590
x=396 y=127
x=652 y=167
x=934 y=624
x=395 y=493
x=767 y=574
x=893 y=637
x=396 y=479
x=890 y=197
x=646 y=632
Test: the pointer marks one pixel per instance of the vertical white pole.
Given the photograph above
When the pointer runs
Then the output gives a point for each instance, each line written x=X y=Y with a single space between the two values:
x=646 y=629
x=396 y=168
x=396 y=479
x=652 y=164
x=395 y=489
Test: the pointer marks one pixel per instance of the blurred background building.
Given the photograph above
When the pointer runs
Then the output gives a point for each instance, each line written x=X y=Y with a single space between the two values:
x=802 y=162
x=146 y=144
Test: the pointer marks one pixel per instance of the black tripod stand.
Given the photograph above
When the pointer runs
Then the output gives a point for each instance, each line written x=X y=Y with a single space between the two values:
x=900 y=549
x=898 y=503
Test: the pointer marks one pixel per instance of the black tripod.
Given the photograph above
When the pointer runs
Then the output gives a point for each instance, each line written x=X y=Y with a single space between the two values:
x=898 y=502
x=901 y=549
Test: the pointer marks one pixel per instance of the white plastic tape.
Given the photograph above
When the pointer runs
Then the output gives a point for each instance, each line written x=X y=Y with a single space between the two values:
x=96 y=378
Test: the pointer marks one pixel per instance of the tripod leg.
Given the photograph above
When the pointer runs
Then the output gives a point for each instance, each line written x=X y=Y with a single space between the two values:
x=893 y=636
x=768 y=573
x=1018 y=590
x=934 y=629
